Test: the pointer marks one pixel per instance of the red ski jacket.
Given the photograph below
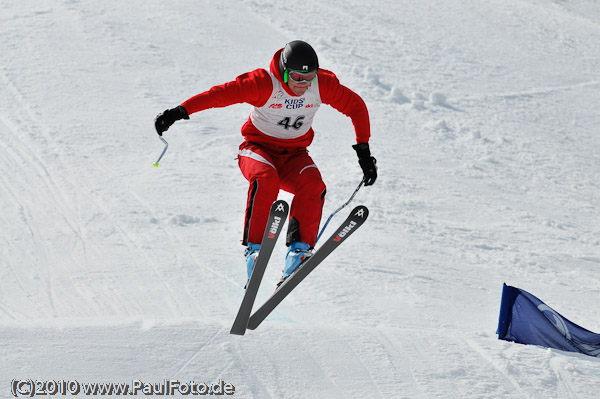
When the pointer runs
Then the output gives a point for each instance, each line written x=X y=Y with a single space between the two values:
x=256 y=88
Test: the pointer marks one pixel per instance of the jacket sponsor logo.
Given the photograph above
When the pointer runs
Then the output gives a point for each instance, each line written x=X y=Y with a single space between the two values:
x=294 y=103
x=345 y=231
x=276 y=106
x=274 y=226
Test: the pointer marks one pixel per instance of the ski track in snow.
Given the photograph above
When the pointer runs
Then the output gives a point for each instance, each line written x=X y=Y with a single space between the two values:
x=485 y=127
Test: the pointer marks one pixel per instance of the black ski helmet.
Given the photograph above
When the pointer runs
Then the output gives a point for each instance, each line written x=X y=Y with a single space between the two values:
x=299 y=56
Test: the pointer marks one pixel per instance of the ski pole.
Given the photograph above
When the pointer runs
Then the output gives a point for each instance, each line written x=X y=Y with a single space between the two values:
x=339 y=209
x=163 y=151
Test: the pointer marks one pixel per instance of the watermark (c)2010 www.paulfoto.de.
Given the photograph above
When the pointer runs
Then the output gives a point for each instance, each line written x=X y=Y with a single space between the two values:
x=28 y=387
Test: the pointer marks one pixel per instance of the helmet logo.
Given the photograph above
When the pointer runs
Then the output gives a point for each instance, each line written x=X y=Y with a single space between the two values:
x=305 y=67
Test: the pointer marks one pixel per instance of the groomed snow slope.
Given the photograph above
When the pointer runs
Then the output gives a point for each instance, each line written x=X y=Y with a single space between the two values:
x=485 y=124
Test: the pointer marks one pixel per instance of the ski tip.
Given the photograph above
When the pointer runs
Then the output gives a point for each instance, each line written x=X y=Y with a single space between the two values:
x=361 y=211
x=280 y=206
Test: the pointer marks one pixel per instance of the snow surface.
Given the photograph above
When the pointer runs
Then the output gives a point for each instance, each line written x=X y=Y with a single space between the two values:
x=485 y=120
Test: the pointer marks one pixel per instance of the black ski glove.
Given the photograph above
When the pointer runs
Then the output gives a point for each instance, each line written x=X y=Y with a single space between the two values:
x=165 y=119
x=366 y=162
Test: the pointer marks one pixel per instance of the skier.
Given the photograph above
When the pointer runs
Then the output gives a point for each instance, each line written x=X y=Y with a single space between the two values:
x=273 y=155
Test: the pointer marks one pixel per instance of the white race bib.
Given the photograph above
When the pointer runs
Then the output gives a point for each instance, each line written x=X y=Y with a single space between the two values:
x=285 y=116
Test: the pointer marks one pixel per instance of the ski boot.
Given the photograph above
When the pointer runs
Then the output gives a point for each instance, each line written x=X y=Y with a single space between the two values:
x=298 y=252
x=251 y=254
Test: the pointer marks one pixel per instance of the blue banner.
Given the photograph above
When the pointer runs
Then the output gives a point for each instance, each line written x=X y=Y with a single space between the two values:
x=527 y=320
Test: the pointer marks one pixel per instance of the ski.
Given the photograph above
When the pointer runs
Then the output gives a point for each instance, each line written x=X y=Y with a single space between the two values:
x=351 y=224
x=277 y=216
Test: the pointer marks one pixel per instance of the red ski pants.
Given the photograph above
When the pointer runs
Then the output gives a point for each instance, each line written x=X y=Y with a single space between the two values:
x=269 y=169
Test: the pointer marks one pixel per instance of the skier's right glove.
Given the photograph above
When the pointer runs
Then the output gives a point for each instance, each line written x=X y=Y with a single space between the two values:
x=367 y=163
x=164 y=120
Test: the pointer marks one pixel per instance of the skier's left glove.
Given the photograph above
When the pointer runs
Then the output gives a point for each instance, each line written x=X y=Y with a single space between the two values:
x=366 y=162
x=164 y=120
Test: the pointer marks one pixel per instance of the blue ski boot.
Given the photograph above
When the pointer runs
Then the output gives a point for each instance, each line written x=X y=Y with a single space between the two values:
x=251 y=254
x=297 y=253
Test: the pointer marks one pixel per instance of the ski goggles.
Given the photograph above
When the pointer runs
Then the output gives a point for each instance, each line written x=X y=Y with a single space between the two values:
x=299 y=77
